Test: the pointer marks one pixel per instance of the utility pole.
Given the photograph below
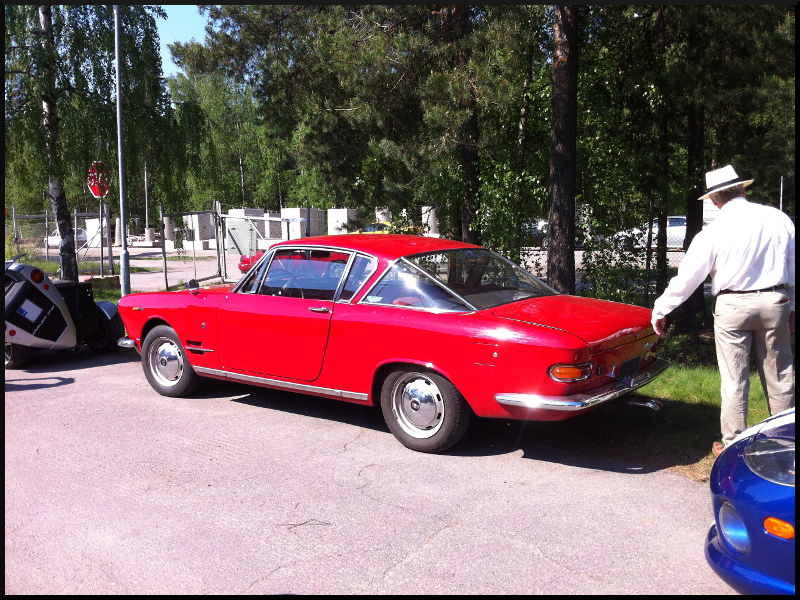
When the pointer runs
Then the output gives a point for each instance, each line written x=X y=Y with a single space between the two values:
x=124 y=258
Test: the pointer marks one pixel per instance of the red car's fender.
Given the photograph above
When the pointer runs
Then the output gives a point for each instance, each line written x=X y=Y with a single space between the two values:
x=193 y=317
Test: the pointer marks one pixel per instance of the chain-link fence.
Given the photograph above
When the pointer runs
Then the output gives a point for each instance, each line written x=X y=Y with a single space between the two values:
x=185 y=246
x=206 y=245
x=37 y=237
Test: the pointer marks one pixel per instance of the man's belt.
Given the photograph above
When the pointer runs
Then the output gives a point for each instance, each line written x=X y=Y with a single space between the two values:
x=774 y=288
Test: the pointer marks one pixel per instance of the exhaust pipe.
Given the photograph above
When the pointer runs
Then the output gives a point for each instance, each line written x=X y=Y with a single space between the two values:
x=650 y=403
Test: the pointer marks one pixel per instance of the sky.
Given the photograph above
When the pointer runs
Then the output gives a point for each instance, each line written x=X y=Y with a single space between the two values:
x=183 y=24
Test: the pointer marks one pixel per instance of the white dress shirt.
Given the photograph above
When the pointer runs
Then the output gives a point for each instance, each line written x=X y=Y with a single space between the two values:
x=747 y=247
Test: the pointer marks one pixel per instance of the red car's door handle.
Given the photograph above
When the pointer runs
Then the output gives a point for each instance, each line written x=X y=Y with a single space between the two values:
x=319 y=309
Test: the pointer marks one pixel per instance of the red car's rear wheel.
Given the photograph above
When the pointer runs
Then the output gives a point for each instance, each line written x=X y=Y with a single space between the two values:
x=424 y=410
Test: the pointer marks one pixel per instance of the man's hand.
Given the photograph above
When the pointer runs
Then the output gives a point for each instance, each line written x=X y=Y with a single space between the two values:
x=660 y=325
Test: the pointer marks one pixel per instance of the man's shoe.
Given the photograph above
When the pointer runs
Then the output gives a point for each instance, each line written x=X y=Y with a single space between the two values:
x=717 y=448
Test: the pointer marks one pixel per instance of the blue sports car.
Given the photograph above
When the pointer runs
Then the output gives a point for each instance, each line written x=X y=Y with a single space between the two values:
x=751 y=543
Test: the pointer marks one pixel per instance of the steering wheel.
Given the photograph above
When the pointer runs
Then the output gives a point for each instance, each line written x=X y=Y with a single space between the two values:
x=286 y=285
x=279 y=273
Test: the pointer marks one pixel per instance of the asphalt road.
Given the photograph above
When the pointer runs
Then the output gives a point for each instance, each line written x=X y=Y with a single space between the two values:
x=111 y=488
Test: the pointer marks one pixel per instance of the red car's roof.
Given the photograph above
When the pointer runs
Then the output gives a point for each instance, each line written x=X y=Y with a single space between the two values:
x=383 y=245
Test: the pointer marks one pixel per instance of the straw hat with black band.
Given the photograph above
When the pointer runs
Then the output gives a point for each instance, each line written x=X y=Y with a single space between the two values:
x=722 y=179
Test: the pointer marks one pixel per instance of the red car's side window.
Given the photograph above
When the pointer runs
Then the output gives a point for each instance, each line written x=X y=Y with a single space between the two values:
x=405 y=286
x=304 y=273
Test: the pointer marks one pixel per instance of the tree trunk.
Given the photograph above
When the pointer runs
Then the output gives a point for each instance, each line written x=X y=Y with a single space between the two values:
x=457 y=26
x=561 y=227
x=469 y=163
x=58 y=199
x=694 y=309
x=663 y=166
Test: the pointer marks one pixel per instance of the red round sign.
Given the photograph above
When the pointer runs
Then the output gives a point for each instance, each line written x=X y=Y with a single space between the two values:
x=98 y=179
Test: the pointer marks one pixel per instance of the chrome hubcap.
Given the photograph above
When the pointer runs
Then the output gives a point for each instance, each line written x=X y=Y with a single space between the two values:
x=166 y=361
x=417 y=405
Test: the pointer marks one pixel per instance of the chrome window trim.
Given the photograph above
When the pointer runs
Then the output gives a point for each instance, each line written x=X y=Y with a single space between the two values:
x=255 y=273
x=272 y=251
x=356 y=253
x=349 y=265
x=287 y=385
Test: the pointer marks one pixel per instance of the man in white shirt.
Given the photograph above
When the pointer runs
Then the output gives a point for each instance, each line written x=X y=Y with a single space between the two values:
x=749 y=252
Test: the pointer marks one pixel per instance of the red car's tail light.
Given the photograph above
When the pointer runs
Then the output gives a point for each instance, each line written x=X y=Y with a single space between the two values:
x=570 y=373
x=37 y=276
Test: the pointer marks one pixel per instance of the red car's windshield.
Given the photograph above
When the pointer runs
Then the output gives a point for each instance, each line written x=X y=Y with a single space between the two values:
x=481 y=277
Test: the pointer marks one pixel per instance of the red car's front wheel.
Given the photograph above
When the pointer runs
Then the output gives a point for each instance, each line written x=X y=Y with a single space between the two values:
x=165 y=364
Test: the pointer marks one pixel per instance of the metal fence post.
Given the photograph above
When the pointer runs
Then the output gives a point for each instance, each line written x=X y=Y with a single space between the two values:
x=107 y=211
x=102 y=268
x=163 y=246
x=46 y=236
x=75 y=239
x=16 y=230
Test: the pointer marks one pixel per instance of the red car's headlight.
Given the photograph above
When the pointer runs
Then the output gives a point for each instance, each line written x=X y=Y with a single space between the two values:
x=570 y=373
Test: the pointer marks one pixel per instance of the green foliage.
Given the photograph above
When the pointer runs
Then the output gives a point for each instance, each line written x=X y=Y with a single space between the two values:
x=508 y=201
x=689 y=349
x=449 y=106
x=611 y=269
x=85 y=91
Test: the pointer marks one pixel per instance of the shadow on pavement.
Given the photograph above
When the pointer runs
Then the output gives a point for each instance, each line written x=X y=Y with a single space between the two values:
x=614 y=437
x=43 y=383
x=51 y=361
x=368 y=417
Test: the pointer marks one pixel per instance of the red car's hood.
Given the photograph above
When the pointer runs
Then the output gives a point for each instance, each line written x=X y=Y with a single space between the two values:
x=599 y=323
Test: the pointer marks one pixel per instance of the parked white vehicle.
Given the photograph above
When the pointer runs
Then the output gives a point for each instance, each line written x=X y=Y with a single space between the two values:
x=54 y=239
x=676 y=233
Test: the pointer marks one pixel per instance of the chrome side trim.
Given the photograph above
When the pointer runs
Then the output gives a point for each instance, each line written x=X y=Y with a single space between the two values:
x=583 y=401
x=287 y=385
x=196 y=349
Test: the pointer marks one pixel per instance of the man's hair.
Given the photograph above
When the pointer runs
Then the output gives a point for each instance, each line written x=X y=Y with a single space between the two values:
x=730 y=193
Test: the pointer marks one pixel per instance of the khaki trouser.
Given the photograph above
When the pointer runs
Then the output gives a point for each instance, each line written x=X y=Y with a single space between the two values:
x=740 y=321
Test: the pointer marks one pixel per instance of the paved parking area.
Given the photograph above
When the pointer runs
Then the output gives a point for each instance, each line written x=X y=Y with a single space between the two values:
x=111 y=488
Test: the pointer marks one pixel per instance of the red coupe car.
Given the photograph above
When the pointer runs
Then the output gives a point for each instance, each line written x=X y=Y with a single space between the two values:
x=248 y=260
x=433 y=330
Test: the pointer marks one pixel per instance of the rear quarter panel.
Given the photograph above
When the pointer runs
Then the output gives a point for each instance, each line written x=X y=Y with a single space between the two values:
x=364 y=339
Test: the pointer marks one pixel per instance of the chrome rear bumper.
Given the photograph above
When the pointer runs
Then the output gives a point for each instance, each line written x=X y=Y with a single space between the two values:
x=583 y=401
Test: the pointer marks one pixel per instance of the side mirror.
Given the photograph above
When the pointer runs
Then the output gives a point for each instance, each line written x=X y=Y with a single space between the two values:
x=193 y=286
